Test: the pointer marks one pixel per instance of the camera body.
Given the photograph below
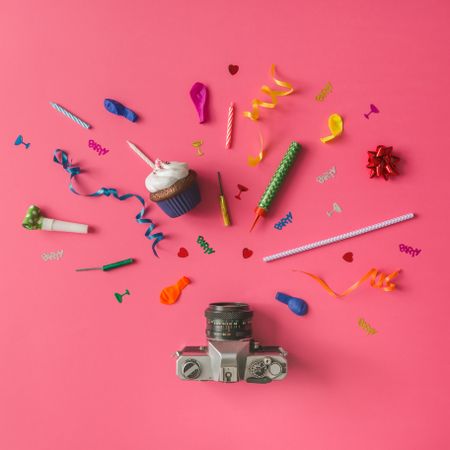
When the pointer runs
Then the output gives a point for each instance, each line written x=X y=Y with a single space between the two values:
x=231 y=354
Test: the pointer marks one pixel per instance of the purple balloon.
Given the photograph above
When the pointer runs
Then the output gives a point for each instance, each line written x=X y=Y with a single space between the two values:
x=199 y=95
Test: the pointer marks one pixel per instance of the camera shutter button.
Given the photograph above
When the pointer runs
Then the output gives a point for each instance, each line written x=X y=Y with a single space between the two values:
x=191 y=369
x=275 y=369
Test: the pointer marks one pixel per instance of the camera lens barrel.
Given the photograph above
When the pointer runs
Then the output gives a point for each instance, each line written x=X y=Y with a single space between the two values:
x=228 y=321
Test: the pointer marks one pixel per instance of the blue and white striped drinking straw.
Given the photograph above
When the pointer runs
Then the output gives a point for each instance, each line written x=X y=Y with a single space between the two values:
x=70 y=115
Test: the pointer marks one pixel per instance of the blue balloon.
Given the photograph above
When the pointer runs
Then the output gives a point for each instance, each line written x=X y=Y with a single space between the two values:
x=114 y=107
x=296 y=305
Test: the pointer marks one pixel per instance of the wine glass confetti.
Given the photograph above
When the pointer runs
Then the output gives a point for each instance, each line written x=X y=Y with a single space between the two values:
x=198 y=145
x=336 y=208
x=119 y=296
x=19 y=141
x=241 y=189
x=373 y=109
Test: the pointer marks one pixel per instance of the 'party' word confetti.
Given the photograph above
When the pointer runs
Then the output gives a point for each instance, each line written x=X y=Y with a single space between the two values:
x=246 y=253
x=97 y=147
x=336 y=208
x=182 y=253
x=365 y=326
x=205 y=246
x=327 y=175
x=19 y=141
x=241 y=189
x=198 y=146
x=119 y=296
x=284 y=221
x=52 y=255
x=373 y=109
x=409 y=250
x=384 y=282
x=233 y=69
x=348 y=257
x=328 y=89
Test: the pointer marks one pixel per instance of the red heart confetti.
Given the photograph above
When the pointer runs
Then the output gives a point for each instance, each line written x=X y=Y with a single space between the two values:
x=233 y=69
x=246 y=253
x=182 y=253
x=348 y=257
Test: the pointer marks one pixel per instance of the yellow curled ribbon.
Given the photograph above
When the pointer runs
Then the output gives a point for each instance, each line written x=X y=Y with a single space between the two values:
x=255 y=160
x=336 y=126
x=384 y=282
x=256 y=104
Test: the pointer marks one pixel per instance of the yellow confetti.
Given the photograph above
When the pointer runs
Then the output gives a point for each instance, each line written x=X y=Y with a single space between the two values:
x=365 y=326
x=198 y=145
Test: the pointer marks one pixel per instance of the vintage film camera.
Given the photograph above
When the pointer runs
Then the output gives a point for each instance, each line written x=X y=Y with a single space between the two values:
x=231 y=354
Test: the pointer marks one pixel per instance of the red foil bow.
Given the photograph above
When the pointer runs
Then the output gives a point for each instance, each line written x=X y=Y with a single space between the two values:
x=382 y=162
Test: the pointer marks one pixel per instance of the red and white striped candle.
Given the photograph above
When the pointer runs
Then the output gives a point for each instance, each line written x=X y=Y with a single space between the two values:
x=229 y=125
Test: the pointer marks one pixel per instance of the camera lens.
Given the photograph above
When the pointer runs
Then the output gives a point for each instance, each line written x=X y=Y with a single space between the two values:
x=228 y=321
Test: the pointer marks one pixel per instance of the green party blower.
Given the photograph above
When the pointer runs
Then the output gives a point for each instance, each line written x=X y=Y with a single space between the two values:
x=276 y=181
x=34 y=220
x=107 y=267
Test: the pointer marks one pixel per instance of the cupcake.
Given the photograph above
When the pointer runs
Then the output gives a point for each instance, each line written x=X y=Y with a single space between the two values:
x=172 y=185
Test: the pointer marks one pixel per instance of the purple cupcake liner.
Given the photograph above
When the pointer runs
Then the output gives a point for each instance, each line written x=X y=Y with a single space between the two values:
x=181 y=203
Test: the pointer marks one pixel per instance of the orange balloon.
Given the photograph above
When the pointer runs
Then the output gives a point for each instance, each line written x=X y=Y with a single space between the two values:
x=170 y=294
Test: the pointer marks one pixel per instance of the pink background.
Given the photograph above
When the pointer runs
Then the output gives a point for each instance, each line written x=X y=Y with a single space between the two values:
x=78 y=370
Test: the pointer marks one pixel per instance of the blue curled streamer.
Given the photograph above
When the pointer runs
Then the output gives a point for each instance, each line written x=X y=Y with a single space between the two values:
x=61 y=157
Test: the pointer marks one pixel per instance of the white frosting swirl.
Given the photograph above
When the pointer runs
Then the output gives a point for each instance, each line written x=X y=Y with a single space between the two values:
x=165 y=174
